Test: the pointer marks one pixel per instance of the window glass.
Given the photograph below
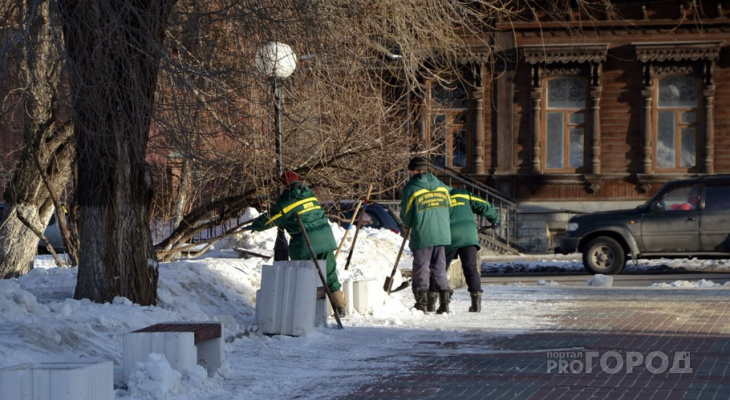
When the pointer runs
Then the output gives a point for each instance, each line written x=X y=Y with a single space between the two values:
x=438 y=138
x=449 y=96
x=666 y=143
x=554 y=144
x=680 y=198
x=459 y=148
x=689 y=142
x=566 y=93
x=576 y=118
x=678 y=91
x=717 y=197
x=689 y=117
x=576 y=148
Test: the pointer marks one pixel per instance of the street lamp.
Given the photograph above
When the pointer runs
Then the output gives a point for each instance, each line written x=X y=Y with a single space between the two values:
x=277 y=62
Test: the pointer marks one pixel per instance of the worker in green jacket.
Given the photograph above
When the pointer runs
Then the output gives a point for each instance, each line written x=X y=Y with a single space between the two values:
x=425 y=210
x=298 y=198
x=465 y=242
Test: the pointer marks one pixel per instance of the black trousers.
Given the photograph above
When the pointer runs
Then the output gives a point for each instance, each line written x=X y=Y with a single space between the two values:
x=472 y=272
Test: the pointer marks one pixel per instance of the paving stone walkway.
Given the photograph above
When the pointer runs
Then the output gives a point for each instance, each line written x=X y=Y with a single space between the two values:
x=643 y=344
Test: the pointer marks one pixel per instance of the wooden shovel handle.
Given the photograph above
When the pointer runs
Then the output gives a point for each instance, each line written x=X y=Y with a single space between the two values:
x=397 y=258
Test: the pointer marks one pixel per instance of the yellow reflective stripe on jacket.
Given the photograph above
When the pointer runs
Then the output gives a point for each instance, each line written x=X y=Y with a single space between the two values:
x=424 y=191
x=293 y=206
x=465 y=196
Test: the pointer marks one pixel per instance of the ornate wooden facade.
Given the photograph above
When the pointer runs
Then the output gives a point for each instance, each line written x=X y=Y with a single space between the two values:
x=597 y=108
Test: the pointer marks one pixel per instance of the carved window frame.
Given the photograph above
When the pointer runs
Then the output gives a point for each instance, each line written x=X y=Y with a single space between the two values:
x=566 y=60
x=566 y=112
x=662 y=59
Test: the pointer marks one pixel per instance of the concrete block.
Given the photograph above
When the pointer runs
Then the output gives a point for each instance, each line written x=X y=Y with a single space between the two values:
x=58 y=381
x=285 y=304
x=348 y=292
x=367 y=294
x=16 y=382
x=177 y=347
x=320 y=313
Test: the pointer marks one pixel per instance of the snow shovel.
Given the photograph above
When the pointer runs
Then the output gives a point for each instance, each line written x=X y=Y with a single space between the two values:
x=319 y=271
x=246 y=253
x=389 y=279
x=357 y=228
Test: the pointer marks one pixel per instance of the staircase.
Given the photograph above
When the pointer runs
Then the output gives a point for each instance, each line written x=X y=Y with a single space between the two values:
x=500 y=240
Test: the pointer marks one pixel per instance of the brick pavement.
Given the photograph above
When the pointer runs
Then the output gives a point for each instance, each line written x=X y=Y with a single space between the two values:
x=586 y=354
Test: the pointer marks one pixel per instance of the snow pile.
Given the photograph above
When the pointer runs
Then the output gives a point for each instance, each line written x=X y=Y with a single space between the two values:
x=701 y=284
x=600 y=280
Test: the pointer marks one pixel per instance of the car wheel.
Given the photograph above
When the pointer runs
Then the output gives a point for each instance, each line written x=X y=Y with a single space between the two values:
x=604 y=255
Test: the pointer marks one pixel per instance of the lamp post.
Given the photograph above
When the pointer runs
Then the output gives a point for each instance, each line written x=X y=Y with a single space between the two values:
x=277 y=62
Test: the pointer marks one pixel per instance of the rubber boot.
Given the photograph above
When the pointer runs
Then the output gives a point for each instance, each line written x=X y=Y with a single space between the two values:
x=338 y=299
x=476 y=302
x=420 y=300
x=444 y=300
x=431 y=299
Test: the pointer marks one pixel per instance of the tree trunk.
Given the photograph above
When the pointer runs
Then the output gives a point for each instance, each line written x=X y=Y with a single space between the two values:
x=114 y=48
x=183 y=187
x=48 y=142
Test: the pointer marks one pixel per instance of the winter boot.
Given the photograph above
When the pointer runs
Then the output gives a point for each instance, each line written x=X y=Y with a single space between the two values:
x=338 y=300
x=431 y=299
x=444 y=300
x=420 y=300
x=476 y=302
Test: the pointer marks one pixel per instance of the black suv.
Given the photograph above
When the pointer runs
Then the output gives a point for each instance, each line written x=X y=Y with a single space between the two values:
x=686 y=218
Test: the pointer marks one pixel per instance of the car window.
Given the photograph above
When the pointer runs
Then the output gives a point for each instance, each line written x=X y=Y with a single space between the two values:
x=375 y=220
x=717 y=197
x=679 y=198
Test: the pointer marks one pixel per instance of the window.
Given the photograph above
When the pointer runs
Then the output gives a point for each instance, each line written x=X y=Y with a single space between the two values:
x=717 y=197
x=681 y=198
x=676 y=127
x=565 y=113
x=448 y=124
x=677 y=134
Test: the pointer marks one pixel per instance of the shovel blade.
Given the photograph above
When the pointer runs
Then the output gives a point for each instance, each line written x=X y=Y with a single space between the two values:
x=388 y=283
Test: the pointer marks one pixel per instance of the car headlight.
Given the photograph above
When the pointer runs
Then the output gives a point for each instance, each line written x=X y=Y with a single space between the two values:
x=572 y=226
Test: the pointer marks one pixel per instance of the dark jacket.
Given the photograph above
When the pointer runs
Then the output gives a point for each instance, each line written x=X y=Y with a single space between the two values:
x=425 y=209
x=297 y=198
x=463 y=226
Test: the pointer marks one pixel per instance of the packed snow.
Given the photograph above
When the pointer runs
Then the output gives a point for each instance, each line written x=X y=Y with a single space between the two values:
x=41 y=322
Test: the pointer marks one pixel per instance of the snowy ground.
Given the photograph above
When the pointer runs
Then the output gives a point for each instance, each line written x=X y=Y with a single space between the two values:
x=40 y=322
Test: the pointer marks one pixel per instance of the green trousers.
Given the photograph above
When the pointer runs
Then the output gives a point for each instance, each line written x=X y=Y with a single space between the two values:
x=332 y=281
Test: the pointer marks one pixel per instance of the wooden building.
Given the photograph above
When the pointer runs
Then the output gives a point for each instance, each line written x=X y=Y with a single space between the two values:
x=593 y=112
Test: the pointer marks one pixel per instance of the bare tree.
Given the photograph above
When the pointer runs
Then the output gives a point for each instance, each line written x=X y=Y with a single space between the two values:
x=347 y=120
x=114 y=50
x=45 y=163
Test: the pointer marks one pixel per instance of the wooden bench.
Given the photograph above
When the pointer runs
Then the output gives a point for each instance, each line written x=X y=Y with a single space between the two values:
x=184 y=344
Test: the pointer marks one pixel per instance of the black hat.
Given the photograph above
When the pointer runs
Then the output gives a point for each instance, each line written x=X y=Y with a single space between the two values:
x=418 y=164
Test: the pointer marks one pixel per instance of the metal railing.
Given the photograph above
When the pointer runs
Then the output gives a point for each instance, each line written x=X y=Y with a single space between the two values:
x=501 y=239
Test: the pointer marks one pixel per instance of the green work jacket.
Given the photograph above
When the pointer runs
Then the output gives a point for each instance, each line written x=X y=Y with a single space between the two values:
x=463 y=226
x=425 y=209
x=297 y=198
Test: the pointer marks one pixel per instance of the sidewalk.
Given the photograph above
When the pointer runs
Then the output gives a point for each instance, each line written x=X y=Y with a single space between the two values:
x=604 y=344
